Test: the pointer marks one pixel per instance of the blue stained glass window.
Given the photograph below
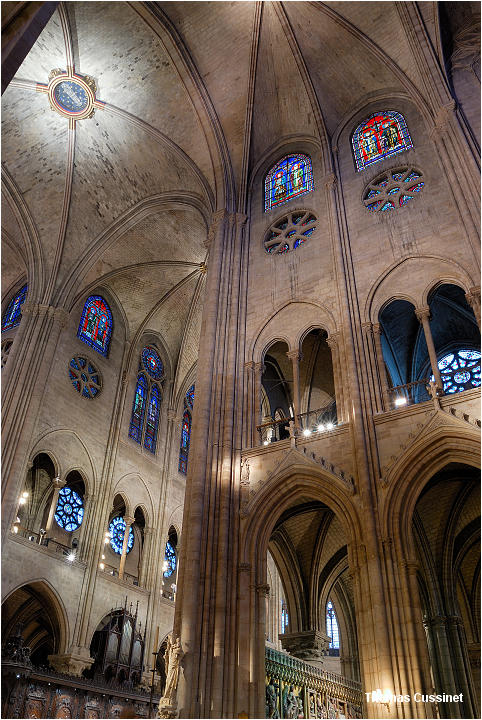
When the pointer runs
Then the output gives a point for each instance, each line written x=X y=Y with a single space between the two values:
x=95 y=326
x=169 y=560
x=152 y=363
x=380 y=136
x=150 y=435
x=190 y=397
x=117 y=528
x=289 y=178
x=13 y=313
x=284 y=617
x=186 y=430
x=332 y=626
x=459 y=370
x=138 y=409
x=69 y=512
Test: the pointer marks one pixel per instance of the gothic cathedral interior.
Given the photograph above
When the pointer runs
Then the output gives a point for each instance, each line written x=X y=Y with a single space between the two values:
x=241 y=359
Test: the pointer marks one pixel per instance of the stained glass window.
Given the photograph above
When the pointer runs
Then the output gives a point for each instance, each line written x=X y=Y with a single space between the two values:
x=459 y=370
x=152 y=362
x=169 y=560
x=95 y=326
x=393 y=189
x=186 y=430
x=70 y=510
x=289 y=178
x=380 y=136
x=190 y=397
x=13 y=313
x=146 y=409
x=139 y=409
x=332 y=626
x=84 y=377
x=152 y=421
x=284 y=617
x=117 y=528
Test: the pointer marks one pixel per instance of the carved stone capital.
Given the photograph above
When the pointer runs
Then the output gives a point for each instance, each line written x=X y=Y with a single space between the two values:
x=72 y=663
x=308 y=645
x=422 y=313
x=376 y=328
x=333 y=340
x=259 y=368
x=442 y=118
x=329 y=181
x=217 y=222
x=58 y=483
x=294 y=355
x=263 y=589
x=129 y=520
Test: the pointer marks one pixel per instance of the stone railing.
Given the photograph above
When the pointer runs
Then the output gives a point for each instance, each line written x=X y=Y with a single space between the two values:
x=409 y=394
x=298 y=689
x=319 y=420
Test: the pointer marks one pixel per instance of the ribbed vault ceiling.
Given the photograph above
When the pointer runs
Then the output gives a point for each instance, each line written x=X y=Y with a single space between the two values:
x=195 y=94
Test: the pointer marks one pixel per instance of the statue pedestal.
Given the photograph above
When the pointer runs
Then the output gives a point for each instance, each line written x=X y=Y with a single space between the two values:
x=308 y=645
x=167 y=709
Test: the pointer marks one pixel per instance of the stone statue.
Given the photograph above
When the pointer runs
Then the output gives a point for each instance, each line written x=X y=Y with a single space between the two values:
x=272 y=700
x=173 y=656
x=290 y=703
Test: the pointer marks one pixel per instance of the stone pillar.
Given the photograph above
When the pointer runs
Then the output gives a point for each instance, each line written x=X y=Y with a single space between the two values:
x=473 y=299
x=259 y=369
x=423 y=315
x=441 y=657
x=295 y=357
x=249 y=435
x=58 y=484
x=128 y=521
x=83 y=534
x=382 y=374
x=332 y=342
x=146 y=552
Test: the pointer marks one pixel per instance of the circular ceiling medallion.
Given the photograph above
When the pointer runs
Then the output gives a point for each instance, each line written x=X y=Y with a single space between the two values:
x=71 y=95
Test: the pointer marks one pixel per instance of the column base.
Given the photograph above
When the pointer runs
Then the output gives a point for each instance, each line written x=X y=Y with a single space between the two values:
x=72 y=663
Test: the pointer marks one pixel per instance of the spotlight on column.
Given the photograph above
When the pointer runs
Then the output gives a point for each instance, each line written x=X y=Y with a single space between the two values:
x=266 y=442
x=25 y=494
x=306 y=432
x=400 y=401
x=329 y=426
x=71 y=557
x=22 y=500
x=102 y=566
x=320 y=427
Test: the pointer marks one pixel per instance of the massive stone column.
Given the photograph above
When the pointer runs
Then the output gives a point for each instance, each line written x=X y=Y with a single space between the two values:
x=382 y=375
x=332 y=342
x=207 y=599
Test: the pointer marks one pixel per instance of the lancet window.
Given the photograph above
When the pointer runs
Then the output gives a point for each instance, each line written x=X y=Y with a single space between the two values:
x=289 y=178
x=381 y=135
x=186 y=430
x=13 y=313
x=146 y=409
x=95 y=327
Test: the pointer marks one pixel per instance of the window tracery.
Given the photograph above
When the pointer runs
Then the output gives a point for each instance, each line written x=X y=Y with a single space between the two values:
x=85 y=377
x=381 y=135
x=393 y=189
x=290 y=231
x=459 y=370
x=186 y=430
x=117 y=528
x=289 y=178
x=6 y=347
x=70 y=510
x=95 y=327
x=13 y=313
x=146 y=409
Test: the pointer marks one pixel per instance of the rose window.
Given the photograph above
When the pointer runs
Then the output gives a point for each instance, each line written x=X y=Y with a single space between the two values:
x=84 y=377
x=460 y=370
x=393 y=189
x=290 y=232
